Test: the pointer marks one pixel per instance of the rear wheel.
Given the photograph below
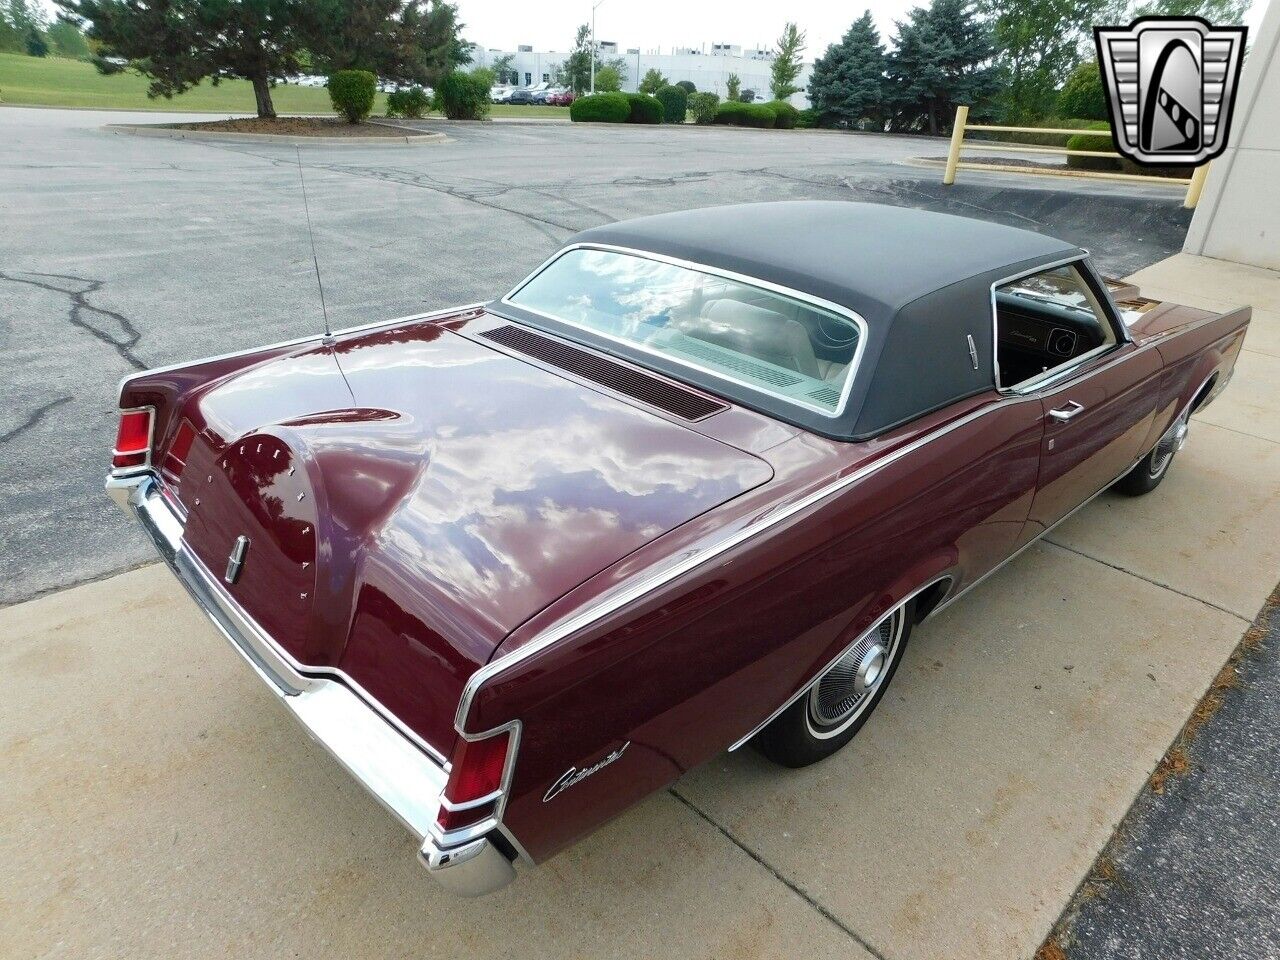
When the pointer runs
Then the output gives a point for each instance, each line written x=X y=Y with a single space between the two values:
x=1146 y=476
x=834 y=709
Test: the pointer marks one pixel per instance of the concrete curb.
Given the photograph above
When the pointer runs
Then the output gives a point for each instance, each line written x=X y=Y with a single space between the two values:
x=174 y=133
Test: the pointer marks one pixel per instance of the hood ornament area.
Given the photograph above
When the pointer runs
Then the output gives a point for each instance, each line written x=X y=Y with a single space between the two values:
x=574 y=775
x=236 y=561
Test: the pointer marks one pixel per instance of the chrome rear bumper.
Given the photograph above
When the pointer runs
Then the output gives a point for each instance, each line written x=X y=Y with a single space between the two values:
x=383 y=760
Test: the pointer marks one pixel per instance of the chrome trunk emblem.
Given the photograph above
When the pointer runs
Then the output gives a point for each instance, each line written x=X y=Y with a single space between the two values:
x=236 y=561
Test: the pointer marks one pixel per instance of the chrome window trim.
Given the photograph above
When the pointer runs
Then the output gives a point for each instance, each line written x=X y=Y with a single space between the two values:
x=808 y=684
x=858 y=321
x=296 y=342
x=1063 y=371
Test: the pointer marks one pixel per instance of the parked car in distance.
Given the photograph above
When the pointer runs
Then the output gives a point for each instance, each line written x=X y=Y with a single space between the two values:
x=520 y=97
x=688 y=486
x=500 y=94
x=562 y=98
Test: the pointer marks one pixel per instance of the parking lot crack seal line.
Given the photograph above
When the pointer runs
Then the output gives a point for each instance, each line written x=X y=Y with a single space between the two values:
x=407 y=180
x=1154 y=583
x=81 y=304
x=32 y=419
x=790 y=885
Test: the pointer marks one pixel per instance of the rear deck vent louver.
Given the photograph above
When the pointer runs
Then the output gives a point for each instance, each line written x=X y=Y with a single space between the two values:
x=827 y=395
x=616 y=376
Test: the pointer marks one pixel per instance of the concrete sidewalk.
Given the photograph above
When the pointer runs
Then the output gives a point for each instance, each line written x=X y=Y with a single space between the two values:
x=156 y=802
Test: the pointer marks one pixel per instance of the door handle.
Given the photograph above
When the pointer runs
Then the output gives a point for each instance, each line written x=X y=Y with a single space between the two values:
x=1063 y=414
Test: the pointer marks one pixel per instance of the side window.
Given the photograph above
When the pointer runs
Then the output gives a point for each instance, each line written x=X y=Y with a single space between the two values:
x=1045 y=321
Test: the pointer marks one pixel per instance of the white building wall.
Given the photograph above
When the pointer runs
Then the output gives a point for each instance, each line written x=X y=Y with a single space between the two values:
x=706 y=71
x=1238 y=216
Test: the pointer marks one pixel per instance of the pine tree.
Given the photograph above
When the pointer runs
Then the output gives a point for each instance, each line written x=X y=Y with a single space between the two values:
x=406 y=41
x=942 y=58
x=847 y=86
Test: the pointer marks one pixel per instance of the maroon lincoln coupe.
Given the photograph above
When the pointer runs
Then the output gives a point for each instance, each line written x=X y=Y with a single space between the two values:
x=688 y=486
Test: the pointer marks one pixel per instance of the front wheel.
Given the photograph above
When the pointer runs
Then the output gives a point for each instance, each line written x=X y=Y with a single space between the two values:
x=836 y=706
x=1146 y=476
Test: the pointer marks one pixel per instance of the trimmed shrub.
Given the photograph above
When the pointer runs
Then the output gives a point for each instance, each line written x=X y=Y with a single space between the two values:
x=352 y=93
x=464 y=96
x=1034 y=139
x=675 y=104
x=787 y=115
x=644 y=108
x=600 y=108
x=807 y=119
x=704 y=107
x=411 y=103
x=735 y=113
x=688 y=87
x=1083 y=141
x=1082 y=95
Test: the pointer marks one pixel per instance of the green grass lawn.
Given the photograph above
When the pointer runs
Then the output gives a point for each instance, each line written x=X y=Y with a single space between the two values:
x=55 y=82
x=532 y=110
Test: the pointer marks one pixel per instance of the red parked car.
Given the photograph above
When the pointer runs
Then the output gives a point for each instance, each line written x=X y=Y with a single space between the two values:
x=688 y=486
x=561 y=98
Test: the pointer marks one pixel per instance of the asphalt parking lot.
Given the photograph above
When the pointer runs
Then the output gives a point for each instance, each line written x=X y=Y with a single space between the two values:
x=122 y=252
x=156 y=801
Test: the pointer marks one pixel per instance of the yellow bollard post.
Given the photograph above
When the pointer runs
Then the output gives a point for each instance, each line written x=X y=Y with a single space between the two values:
x=957 y=138
x=1196 y=186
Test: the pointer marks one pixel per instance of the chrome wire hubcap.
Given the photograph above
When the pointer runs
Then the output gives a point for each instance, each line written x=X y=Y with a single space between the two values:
x=845 y=691
x=1168 y=445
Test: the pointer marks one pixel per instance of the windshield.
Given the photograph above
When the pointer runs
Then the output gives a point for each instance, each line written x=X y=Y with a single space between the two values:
x=777 y=344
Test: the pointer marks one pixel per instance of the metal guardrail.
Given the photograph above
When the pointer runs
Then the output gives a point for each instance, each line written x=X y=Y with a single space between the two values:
x=1194 y=185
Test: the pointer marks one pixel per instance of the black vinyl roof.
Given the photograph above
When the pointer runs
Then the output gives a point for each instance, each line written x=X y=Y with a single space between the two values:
x=921 y=281
x=871 y=258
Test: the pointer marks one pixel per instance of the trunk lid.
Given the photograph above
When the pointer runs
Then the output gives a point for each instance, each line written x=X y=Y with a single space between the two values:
x=436 y=494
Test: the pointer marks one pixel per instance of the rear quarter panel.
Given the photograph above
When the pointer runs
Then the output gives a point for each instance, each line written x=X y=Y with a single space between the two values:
x=1203 y=347
x=700 y=662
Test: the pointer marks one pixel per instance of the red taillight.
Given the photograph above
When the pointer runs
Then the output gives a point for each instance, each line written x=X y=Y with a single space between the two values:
x=476 y=775
x=133 y=439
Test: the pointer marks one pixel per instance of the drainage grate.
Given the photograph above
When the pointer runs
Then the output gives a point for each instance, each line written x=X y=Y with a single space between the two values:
x=616 y=376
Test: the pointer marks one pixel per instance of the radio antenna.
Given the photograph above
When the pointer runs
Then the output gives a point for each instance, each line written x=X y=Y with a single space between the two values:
x=328 y=334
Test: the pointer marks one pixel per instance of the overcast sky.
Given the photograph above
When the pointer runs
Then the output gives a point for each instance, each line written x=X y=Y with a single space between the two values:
x=550 y=24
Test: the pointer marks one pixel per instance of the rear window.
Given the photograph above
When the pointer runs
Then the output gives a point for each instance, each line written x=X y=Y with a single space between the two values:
x=780 y=345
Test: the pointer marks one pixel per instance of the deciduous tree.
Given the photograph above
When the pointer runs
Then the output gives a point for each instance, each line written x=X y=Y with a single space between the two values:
x=1215 y=11
x=575 y=71
x=504 y=67
x=652 y=82
x=786 y=62
x=608 y=80
x=1038 y=43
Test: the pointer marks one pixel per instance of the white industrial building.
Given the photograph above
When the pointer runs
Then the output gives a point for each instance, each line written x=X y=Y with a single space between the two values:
x=707 y=67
